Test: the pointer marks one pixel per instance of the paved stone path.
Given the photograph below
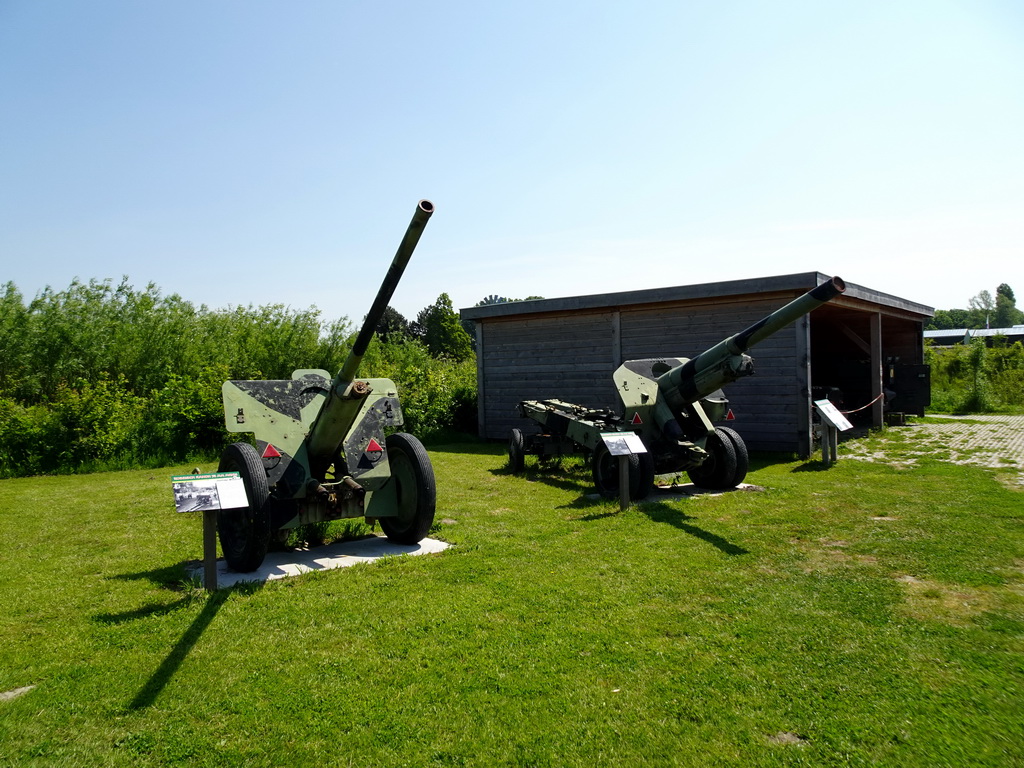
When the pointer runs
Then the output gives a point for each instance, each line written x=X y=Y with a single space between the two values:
x=988 y=441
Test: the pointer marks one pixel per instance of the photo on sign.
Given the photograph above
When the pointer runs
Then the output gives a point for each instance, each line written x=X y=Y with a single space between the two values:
x=616 y=444
x=196 y=495
x=623 y=443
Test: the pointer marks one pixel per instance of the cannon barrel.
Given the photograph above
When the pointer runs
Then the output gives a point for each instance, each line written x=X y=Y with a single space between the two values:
x=339 y=410
x=725 y=361
x=387 y=289
x=780 y=318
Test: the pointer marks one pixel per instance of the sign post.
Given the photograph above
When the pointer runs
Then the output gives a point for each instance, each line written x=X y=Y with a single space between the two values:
x=623 y=445
x=210 y=550
x=208 y=494
x=832 y=423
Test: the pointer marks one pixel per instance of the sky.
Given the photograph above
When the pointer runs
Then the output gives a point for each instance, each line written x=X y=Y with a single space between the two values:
x=252 y=152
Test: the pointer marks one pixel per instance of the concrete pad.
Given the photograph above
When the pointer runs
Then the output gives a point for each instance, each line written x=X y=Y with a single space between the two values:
x=281 y=565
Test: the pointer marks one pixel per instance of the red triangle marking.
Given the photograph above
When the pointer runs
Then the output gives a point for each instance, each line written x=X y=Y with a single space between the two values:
x=270 y=452
x=637 y=419
x=373 y=446
x=730 y=416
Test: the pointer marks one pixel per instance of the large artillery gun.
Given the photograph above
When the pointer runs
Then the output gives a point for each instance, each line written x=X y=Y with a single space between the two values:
x=322 y=452
x=671 y=403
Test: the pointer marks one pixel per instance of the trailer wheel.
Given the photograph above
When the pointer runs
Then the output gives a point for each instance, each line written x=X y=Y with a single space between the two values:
x=516 y=451
x=605 y=468
x=719 y=468
x=245 y=533
x=742 y=457
x=415 y=492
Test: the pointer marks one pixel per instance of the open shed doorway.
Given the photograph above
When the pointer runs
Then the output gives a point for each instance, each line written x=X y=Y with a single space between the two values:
x=868 y=363
x=841 y=362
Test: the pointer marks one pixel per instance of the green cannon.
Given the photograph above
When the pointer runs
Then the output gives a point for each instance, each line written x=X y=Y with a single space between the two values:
x=671 y=403
x=322 y=449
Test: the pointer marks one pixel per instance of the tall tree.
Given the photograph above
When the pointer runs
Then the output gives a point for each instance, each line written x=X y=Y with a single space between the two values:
x=1006 y=313
x=982 y=308
x=947 y=319
x=439 y=328
x=392 y=325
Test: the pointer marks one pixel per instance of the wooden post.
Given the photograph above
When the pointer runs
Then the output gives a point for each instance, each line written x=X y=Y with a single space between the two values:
x=832 y=421
x=829 y=443
x=624 y=481
x=878 y=407
x=210 y=550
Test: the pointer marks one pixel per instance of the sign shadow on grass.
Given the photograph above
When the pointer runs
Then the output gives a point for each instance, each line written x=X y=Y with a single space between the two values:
x=159 y=679
x=170 y=577
x=813 y=465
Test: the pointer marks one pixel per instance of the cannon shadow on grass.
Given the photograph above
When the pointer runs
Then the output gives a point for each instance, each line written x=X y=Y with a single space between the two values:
x=660 y=512
x=171 y=577
x=553 y=473
x=577 y=479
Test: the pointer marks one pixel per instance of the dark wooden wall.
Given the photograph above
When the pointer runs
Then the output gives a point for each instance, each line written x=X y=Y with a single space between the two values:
x=571 y=356
x=565 y=356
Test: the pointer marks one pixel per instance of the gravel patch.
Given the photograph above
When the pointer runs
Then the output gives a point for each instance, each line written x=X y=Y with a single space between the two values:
x=996 y=442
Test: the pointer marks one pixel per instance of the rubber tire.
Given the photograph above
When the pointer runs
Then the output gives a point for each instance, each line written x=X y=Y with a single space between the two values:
x=245 y=533
x=644 y=484
x=742 y=457
x=719 y=468
x=605 y=469
x=516 y=451
x=416 y=492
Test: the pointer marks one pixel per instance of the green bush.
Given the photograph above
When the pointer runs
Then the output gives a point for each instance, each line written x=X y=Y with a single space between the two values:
x=90 y=425
x=26 y=431
x=975 y=378
x=106 y=376
x=437 y=394
x=185 y=417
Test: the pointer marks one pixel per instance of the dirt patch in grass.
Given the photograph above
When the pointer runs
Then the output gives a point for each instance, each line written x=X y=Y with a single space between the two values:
x=13 y=694
x=927 y=600
x=786 y=737
x=829 y=555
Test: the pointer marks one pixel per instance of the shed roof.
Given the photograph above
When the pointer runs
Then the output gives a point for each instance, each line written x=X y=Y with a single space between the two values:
x=803 y=281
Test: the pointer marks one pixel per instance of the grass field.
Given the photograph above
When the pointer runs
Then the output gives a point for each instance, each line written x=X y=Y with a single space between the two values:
x=864 y=615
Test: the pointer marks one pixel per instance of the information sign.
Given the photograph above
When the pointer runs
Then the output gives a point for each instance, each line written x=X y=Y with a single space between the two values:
x=202 y=493
x=623 y=443
x=831 y=414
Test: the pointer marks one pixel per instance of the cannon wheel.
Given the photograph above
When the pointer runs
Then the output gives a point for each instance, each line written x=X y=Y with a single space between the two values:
x=742 y=457
x=719 y=468
x=245 y=533
x=605 y=468
x=645 y=477
x=415 y=492
x=516 y=451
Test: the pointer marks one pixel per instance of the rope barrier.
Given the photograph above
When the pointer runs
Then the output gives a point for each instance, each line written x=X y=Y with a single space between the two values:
x=864 y=406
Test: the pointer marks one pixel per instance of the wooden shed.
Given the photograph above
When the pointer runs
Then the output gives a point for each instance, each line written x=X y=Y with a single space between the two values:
x=853 y=348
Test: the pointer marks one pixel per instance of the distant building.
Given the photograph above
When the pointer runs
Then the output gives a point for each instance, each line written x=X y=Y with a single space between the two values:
x=947 y=338
x=851 y=348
